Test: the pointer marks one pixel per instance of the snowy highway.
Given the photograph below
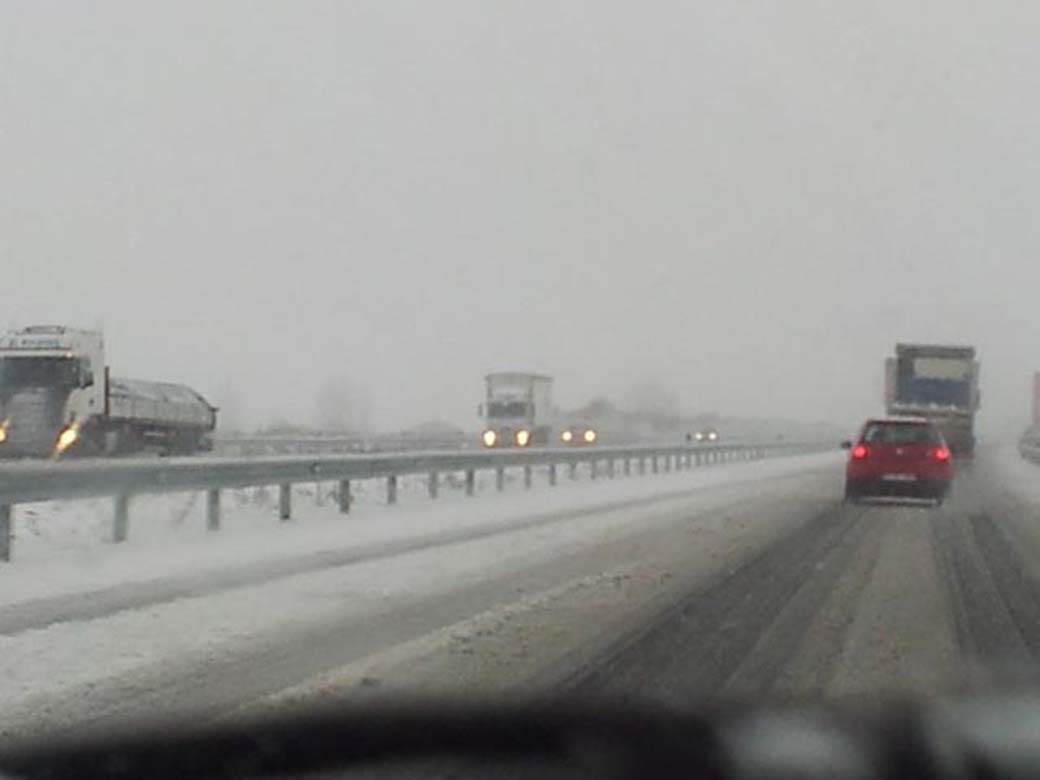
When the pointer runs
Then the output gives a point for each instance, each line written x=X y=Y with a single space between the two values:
x=748 y=578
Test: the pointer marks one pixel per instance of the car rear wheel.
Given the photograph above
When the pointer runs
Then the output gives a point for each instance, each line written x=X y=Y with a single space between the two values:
x=852 y=494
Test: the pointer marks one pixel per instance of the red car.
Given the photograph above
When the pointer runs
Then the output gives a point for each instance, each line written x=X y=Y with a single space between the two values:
x=904 y=457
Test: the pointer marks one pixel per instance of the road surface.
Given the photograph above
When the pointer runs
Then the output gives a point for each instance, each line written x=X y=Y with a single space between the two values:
x=680 y=591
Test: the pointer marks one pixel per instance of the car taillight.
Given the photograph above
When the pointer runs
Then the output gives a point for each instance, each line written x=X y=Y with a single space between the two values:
x=859 y=452
x=941 y=454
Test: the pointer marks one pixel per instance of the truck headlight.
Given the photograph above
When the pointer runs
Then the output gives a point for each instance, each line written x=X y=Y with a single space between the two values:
x=523 y=438
x=490 y=437
x=566 y=437
x=590 y=436
x=67 y=438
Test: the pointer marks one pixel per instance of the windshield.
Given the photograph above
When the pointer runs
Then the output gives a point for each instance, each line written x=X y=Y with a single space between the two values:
x=900 y=433
x=507 y=409
x=21 y=372
x=507 y=350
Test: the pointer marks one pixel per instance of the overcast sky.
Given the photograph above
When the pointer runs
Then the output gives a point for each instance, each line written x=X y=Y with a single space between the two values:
x=748 y=202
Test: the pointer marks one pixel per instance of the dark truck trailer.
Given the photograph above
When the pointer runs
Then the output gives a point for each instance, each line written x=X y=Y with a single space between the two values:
x=937 y=382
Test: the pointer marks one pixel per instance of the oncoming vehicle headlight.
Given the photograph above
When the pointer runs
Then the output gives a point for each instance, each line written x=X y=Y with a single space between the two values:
x=3 y=431
x=67 y=438
x=713 y=436
x=698 y=436
x=590 y=436
x=490 y=437
x=567 y=437
x=523 y=438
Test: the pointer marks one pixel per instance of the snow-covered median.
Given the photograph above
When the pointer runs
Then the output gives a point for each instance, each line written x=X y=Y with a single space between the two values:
x=64 y=547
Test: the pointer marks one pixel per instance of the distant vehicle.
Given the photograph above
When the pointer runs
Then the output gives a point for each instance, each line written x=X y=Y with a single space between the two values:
x=1029 y=445
x=706 y=435
x=901 y=457
x=940 y=383
x=579 y=435
x=1036 y=401
x=517 y=410
x=57 y=398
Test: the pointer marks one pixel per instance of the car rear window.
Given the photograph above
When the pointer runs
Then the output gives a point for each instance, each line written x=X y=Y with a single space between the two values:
x=900 y=433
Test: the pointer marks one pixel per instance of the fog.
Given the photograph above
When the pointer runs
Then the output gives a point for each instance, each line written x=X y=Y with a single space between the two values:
x=747 y=203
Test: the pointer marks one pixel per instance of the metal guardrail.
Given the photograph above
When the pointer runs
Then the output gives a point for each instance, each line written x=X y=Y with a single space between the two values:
x=30 y=481
x=254 y=445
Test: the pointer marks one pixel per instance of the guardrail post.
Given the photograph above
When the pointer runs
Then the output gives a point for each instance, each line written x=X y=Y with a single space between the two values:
x=284 y=501
x=642 y=465
x=610 y=468
x=593 y=468
x=626 y=469
x=391 y=489
x=527 y=477
x=433 y=483
x=572 y=468
x=552 y=475
x=344 y=496
x=668 y=461
x=213 y=510
x=122 y=523
x=653 y=463
x=500 y=478
x=5 y=532
x=471 y=481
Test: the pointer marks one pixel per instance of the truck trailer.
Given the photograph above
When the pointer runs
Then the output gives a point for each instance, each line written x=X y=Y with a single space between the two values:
x=940 y=383
x=57 y=398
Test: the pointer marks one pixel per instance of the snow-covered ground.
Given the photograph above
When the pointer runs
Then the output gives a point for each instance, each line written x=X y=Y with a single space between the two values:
x=109 y=664
x=65 y=547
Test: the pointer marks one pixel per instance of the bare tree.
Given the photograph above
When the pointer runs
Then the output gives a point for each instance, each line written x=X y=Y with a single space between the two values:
x=342 y=406
x=651 y=398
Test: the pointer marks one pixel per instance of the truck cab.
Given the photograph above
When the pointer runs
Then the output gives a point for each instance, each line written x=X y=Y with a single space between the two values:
x=517 y=410
x=51 y=385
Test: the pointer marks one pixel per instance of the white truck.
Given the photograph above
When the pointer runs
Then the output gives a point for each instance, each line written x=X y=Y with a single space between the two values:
x=57 y=398
x=517 y=410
